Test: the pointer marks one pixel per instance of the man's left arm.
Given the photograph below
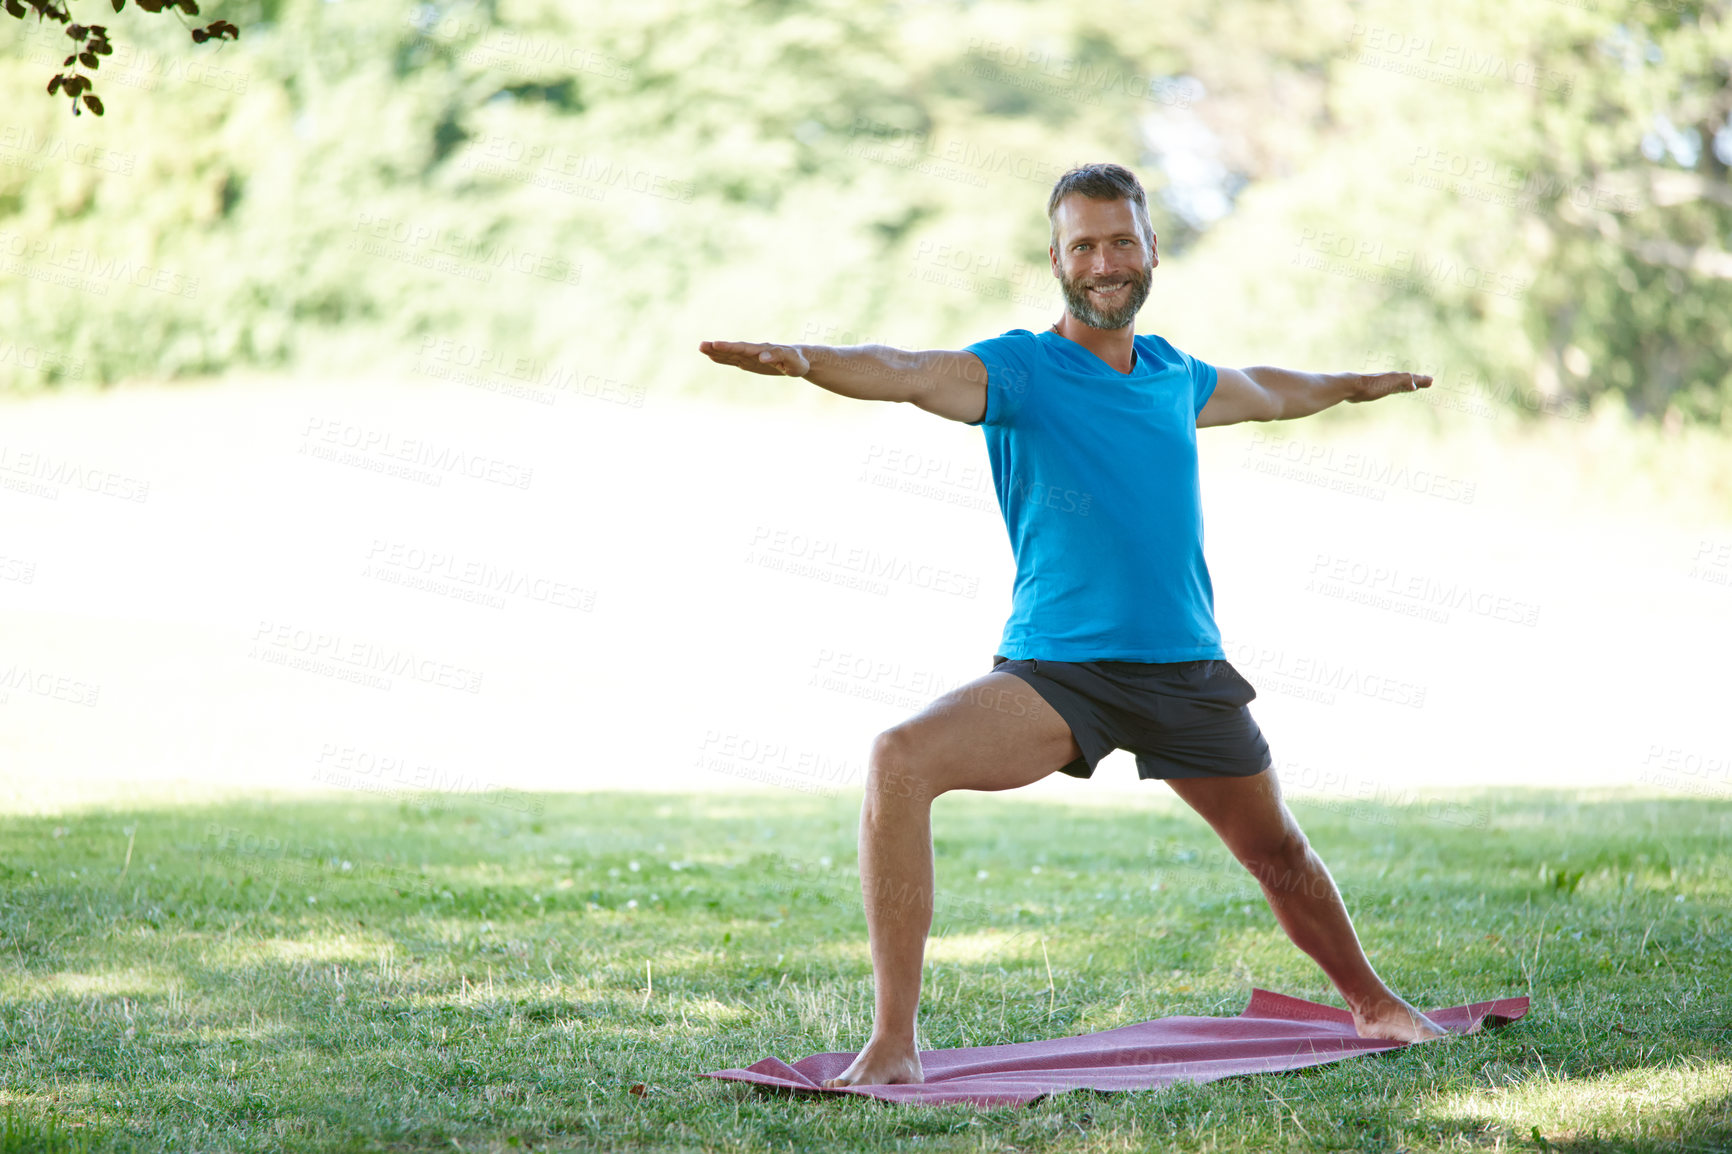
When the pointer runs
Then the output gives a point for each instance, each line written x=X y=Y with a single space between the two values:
x=1265 y=393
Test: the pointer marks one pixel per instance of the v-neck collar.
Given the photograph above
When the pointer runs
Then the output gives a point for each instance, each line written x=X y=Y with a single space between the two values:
x=1136 y=357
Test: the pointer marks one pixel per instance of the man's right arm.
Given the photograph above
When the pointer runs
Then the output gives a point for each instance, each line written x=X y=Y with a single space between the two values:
x=946 y=383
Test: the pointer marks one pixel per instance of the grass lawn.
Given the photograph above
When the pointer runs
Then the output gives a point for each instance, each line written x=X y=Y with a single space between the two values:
x=552 y=972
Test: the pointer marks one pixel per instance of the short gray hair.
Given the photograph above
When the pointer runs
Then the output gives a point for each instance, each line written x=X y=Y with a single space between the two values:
x=1101 y=182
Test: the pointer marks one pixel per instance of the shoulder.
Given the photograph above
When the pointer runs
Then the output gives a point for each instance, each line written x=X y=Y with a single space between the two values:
x=1010 y=337
x=1015 y=349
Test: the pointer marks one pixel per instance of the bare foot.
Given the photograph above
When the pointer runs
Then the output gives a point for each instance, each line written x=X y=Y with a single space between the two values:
x=1393 y=1018
x=880 y=1065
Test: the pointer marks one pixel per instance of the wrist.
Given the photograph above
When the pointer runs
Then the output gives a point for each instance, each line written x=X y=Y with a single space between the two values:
x=1342 y=386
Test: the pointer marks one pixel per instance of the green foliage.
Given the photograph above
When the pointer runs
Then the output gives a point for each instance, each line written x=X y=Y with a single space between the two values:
x=543 y=185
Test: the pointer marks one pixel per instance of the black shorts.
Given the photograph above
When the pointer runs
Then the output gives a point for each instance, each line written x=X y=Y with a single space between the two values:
x=1181 y=718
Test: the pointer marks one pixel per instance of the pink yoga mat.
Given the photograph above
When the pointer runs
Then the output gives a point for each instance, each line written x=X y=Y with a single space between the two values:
x=1275 y=1032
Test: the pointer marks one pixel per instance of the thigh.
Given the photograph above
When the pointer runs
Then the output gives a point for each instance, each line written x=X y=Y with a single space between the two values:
x=1247 y=812
x=993 y=733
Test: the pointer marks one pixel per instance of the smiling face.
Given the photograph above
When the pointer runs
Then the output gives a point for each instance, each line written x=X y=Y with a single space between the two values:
x=1102 y=260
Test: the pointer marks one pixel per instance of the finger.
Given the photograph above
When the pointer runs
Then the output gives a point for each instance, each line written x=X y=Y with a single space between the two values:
x=734 y=348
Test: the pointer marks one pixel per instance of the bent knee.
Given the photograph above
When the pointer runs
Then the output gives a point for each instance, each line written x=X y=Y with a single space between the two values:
x=897 y=768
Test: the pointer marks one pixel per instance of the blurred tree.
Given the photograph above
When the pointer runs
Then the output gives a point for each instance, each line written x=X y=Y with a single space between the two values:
x=90 y=42
x=1631 y=208
x=1534 y=196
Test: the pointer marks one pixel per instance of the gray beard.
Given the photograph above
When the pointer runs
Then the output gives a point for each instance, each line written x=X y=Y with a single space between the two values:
x=1077 y=300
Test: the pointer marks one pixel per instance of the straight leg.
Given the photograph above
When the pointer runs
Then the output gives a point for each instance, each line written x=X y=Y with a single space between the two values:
x=1256 y=825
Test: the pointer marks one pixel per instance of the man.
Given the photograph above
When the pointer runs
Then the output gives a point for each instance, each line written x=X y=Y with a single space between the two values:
x=1111 y=642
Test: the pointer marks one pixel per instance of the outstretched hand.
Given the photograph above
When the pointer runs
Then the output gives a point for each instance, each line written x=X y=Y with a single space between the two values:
x=772 y=360
x=1371 y=386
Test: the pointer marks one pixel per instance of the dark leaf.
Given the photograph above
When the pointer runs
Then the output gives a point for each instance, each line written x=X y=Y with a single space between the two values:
x=69 y=60
x=89 y=60
x=189 y=7
x=199 y=35
x=92 y=103
x=119 y=4
x=54 y=85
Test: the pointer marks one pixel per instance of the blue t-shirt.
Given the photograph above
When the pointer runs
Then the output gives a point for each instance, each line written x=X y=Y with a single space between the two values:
x=1096 y=472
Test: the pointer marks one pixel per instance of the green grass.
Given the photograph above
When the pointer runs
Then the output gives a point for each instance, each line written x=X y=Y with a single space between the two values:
x=477 y=977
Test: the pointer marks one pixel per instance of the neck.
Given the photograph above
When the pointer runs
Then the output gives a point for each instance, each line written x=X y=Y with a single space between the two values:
x=1111 y=345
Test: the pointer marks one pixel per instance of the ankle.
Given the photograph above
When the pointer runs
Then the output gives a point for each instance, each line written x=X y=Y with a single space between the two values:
x=1376 y=1005
x=893 y=1040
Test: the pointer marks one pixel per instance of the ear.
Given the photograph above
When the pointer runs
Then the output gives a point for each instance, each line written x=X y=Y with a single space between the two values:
x=1052 y=255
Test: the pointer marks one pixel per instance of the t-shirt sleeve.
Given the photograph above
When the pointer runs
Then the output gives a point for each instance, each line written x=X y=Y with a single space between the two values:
x=1204 y=377
x=1010 y=363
